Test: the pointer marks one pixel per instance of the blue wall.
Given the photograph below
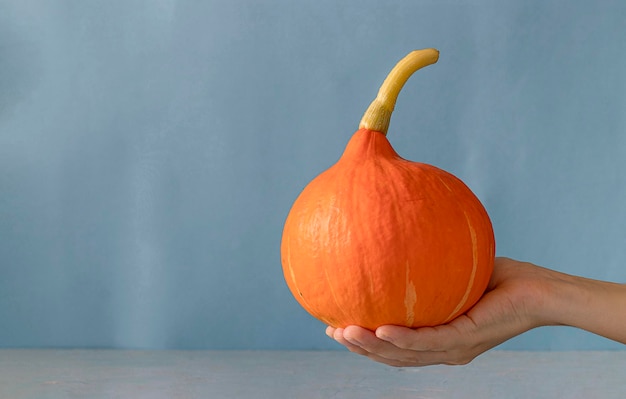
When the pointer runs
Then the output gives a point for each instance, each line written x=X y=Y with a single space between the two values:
x=150 y=151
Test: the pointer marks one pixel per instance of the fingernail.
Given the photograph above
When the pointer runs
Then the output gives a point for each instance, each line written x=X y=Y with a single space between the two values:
x=382 y=336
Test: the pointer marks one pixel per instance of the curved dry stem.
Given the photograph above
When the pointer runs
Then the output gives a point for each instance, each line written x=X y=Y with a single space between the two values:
x=378 y=114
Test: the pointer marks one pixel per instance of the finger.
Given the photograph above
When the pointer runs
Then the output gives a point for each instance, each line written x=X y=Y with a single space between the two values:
x=364 y=342
x=385 y=352
x=338 y=335
x=379 y=348
x=429 y=345
x=424 y=339
x=330 y=331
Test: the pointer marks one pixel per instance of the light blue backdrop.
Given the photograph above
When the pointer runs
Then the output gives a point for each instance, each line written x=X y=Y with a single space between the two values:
x=150 y=151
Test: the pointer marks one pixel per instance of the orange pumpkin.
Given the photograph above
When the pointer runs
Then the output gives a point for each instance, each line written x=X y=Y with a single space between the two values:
x=377 y=239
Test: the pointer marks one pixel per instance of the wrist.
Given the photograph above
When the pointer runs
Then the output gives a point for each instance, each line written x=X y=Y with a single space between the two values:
x=591 y=305
x=563 y=296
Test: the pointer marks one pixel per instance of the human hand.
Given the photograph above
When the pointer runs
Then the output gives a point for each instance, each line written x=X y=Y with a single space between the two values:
x=513 y=303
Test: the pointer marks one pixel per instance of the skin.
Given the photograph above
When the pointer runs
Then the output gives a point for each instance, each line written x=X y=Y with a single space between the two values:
x=520 y=296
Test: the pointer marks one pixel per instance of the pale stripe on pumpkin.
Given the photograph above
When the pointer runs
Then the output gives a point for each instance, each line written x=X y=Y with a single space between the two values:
x=470 y=283
x=410 y=298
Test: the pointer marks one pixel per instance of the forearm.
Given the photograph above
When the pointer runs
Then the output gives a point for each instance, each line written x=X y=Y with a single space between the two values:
x=595 y=306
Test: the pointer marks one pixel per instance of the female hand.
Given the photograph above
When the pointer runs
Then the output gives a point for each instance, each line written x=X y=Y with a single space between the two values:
x=520 y=296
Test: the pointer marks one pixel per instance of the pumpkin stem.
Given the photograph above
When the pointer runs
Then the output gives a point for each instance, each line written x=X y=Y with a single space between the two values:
x=378 y=114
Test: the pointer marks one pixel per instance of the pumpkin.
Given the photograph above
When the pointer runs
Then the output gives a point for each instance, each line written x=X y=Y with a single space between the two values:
x=377 y=239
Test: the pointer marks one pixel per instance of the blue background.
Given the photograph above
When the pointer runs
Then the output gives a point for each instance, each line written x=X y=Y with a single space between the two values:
x=150 y=152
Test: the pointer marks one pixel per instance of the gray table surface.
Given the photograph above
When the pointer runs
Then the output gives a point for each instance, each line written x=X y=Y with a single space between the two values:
x=52 y=374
